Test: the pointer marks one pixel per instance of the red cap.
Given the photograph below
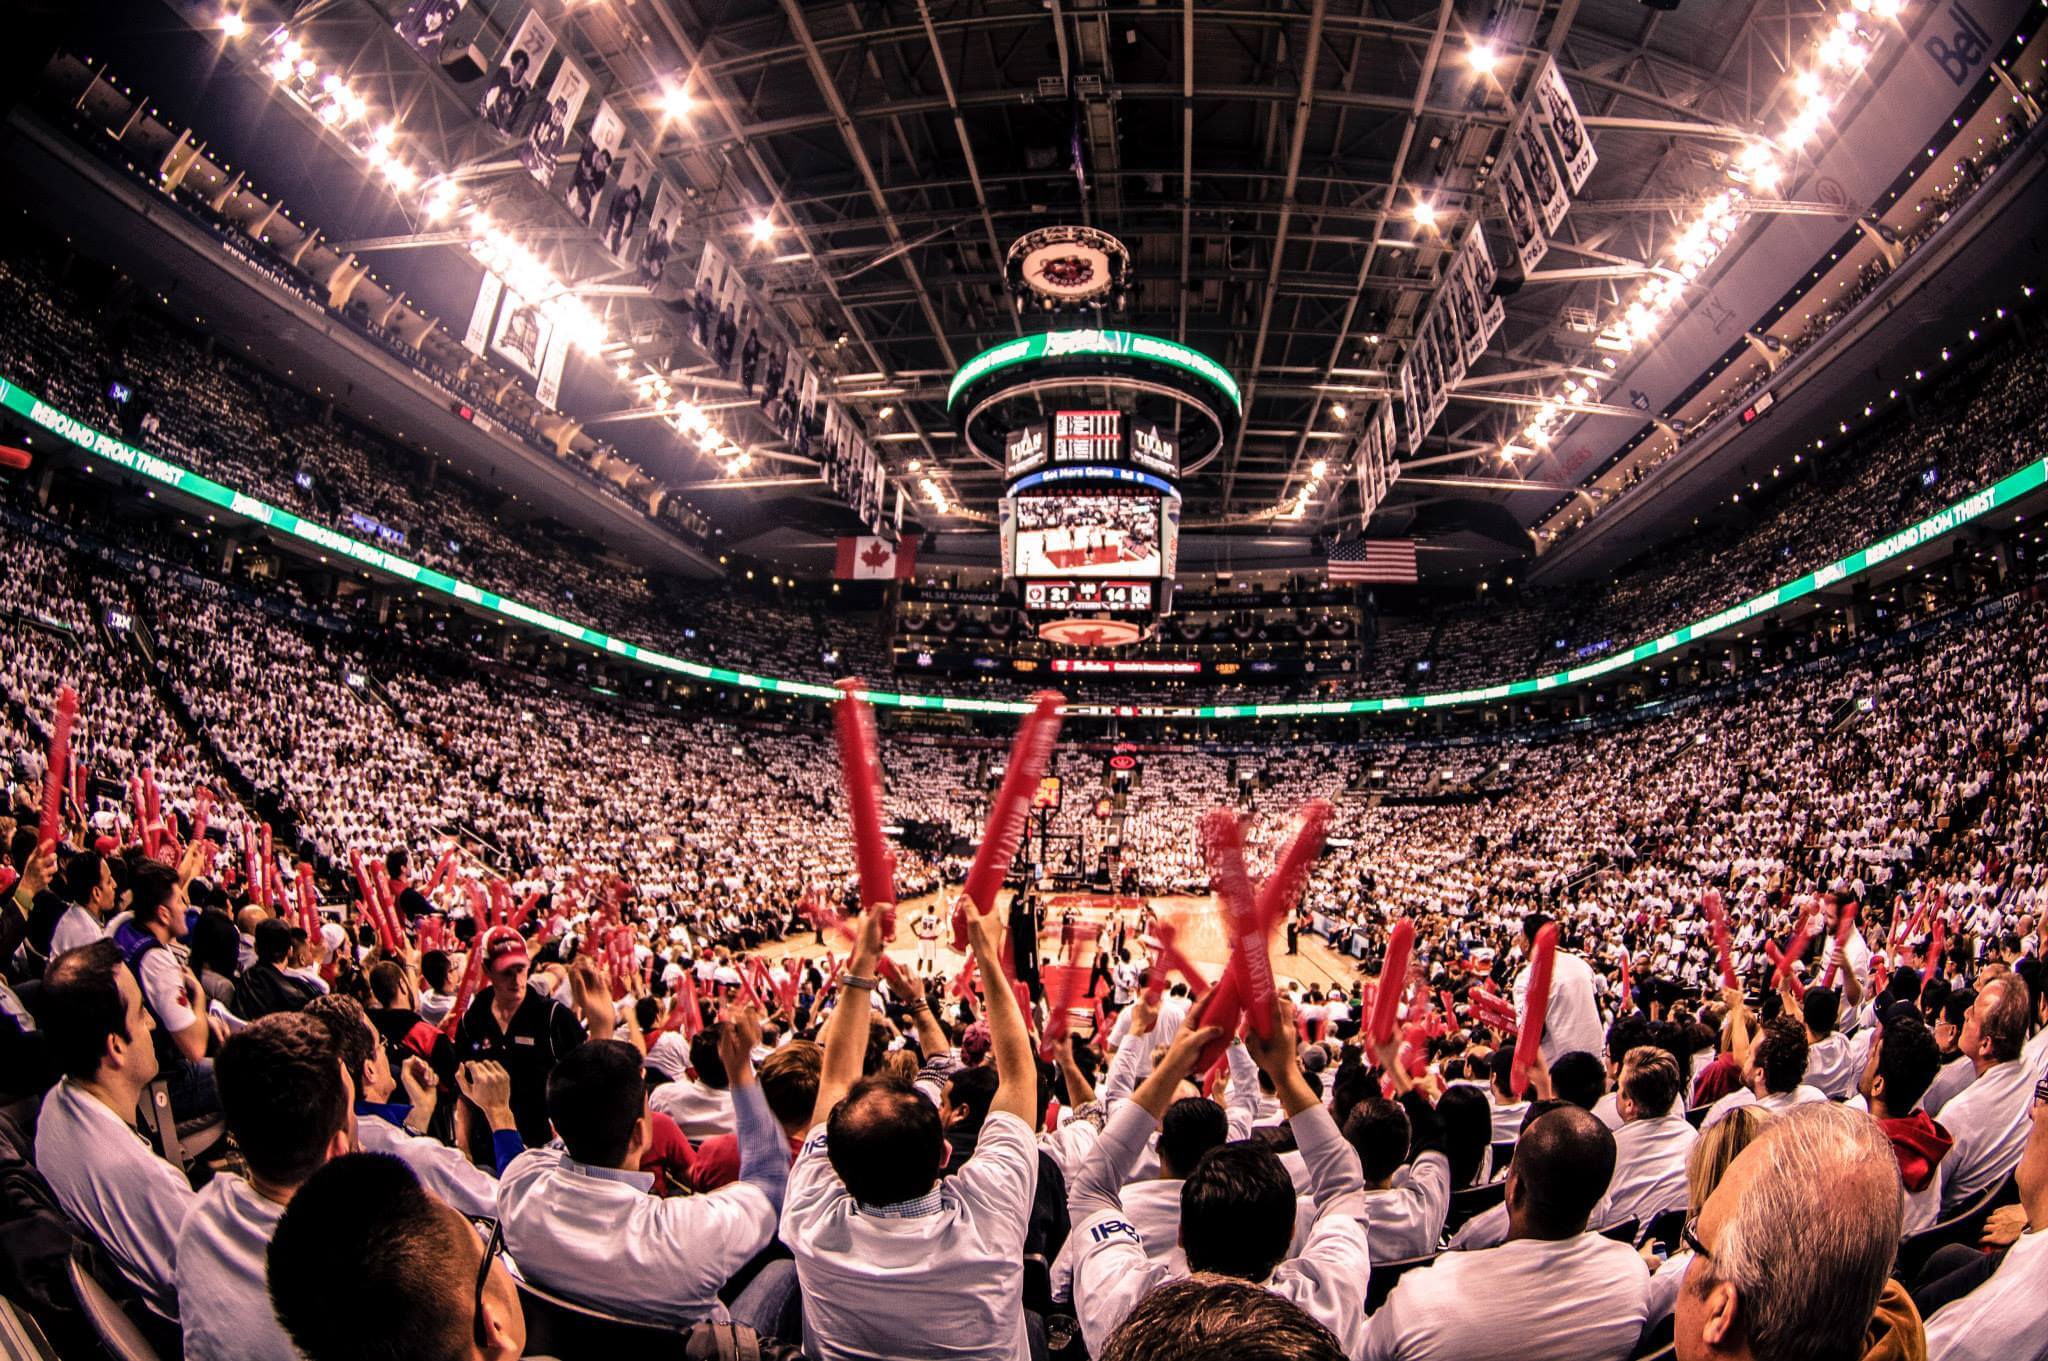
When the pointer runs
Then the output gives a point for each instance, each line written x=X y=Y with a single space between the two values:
x=503 y=948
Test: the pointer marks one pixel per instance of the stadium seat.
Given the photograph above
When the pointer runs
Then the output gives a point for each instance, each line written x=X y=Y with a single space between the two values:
x=1656 y=1340
x=1663 y=1228
x=1468 y=1201
x=1503 y=1153
x=1964 y=1226
x=21 y=1339
x=1386 y=1275
x=117 y=1332
x=1624 y=1232
x=1697 y=1116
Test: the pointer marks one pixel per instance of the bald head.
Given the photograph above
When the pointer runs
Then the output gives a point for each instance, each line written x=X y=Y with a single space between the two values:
x=1563 y=1162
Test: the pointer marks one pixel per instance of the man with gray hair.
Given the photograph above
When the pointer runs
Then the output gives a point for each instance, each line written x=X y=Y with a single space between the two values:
x=1792 y=1251
x=1988 y=1119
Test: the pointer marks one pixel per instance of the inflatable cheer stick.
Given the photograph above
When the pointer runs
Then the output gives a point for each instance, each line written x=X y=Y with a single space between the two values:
x=1400 y=945
x=1529 y=1043
x=1223 y=848
x=860 y=766
x=52 y=828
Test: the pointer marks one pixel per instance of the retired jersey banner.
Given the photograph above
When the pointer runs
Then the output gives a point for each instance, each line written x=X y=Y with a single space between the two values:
x=1412 y=428
x=550 y=135
x=505 y=99
x=1574 y=143
x=1450 y=342
x=594 y=166
x=522 y=334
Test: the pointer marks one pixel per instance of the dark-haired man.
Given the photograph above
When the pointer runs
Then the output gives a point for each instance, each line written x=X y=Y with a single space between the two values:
x=365 y=1265
x=1237 y=1206
x=700 y=1100
x=1653 y=1143
x=1903 y=1061
x=1407 y=1173
x=894 y=1262
x=1219 y=1318
x=105 y=1176
x=156 y=917
x=286 y=1100
x=1831 y=1065
x=1552 y=1289
x=580 y=1219
x=86 y=884
x=1774 y=1079
x=1572 y=1023
x=520 y=1027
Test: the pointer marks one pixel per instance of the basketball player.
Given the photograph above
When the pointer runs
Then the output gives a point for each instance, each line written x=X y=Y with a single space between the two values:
x=926 y=928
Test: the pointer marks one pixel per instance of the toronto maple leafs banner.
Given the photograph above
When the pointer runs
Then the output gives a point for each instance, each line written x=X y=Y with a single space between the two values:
x=1450 y=343
x=1461 y=296
x=505 y=99
x=1482 y=276
x=1411 y=404
x=1539 y=172
x=1524 y=228
x=550 y=134
x=1574 y=143
x=479 y=333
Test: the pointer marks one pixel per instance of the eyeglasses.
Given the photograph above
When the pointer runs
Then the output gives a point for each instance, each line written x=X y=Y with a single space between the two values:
x=1688 y=1234
x=494 y=1245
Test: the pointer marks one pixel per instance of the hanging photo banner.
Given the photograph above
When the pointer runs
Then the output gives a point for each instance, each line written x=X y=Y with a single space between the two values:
x=1461 y=296
x=1561 y=116
x=594 y=165
x=549 y=387
x=1450 y=341
x=1546 y=187
x=505 y=99
x=479 y=333
x=1523 y=227
x=1411 y=404
x=660 y=234
x=424 y=24
x=1482 y=275
x=623 y=217
x=522 y=334
x=1433 y=367
x=550 y=134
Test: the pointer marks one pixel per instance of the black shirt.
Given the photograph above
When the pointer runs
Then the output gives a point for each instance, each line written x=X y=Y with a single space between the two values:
x=542 y=1031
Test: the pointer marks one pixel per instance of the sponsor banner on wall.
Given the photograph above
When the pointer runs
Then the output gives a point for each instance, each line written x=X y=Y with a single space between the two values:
x=594 y=164
x=549 y=136
x=1574 y=142
x=505 y=99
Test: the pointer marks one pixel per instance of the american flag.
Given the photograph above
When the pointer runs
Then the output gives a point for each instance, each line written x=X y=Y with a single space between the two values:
x=1372 y=560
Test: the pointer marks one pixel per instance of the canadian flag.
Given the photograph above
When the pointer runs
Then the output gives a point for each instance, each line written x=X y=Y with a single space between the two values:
x=869 y=558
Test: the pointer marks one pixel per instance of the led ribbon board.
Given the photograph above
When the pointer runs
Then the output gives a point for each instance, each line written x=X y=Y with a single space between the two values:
x=99 y=444
x=1106 y=344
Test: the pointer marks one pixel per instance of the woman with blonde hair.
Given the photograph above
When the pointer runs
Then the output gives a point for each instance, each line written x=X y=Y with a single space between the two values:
x=1704 y=1167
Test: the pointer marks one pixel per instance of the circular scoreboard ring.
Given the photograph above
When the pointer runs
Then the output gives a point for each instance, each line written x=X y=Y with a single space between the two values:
x=1055 y=268
x=1124 y=362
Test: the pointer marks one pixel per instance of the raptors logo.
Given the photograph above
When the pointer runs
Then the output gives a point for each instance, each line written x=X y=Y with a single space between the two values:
x=1069 y=273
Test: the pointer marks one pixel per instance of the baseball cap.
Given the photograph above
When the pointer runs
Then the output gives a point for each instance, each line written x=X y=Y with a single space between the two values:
x=503 y=949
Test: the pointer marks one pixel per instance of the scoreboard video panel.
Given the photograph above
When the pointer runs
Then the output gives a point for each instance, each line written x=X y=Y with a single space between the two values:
x=1087 y=436
x=1088 y=536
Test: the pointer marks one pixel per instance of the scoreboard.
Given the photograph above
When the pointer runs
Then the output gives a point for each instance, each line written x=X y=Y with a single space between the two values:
x=1108 y=597
x=1092 y=439
x=1088 y=437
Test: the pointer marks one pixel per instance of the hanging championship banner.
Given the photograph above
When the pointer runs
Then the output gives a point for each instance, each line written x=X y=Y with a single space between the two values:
x=660 y=234
x=479 y=333
x=1386 y=419
x=522 y=334
x=727 y=300
x=1561 y=116
x=1479 y=264
x=1539 y=172
x=704 y=300
x=505 y=98
x=1523 y=227
x=622 y=216
x=594 y=165
x=1462 y=297
x=550 y=134
x=424 y=24
x=1433 y=366
x=549 y=388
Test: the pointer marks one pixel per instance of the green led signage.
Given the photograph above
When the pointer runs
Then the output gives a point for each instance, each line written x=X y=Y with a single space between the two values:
x=1126 y=344
x=102 y=445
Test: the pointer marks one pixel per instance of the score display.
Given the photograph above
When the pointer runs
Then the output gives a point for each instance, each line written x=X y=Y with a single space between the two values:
x=1092 y=438
x=1087 y=436
x=1107 y=597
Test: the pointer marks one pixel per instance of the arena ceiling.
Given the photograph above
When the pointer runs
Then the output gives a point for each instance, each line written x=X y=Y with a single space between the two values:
x=1261 y=161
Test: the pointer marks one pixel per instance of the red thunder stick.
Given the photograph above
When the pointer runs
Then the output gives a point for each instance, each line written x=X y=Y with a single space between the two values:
x=1935 y=944
x=1781 y=965
x=860 y=768
x=442 y=870
x=1030 y=754
x=309 y=913
x=693 y=1012
x=526 y=909
x=202 y=799
x=1392 y=984
x=1529 y=1044
x=1785 y=961
x=1717 y=923
x=1223 y=847
x=52 y=829
x=1291 y=865
x=472 y=973
x=269 y=880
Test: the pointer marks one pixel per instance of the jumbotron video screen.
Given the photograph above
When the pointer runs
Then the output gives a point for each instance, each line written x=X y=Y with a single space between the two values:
x=1089 y=536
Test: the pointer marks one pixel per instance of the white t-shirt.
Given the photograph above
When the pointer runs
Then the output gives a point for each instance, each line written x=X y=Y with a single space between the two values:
x=1773 y=1104
x=2004 y=1319
x=941 y=1285
x=109 y=1180
x=75 y=928
x=163 y=987
x=223 y=1300
x=1571 y=1023
x=441 y=1169
x=1580 y=1297
x=1831 y=1065
x=1988 y=1121
x=1649 y=1169
x=1408 y=1217
x=701 y=1111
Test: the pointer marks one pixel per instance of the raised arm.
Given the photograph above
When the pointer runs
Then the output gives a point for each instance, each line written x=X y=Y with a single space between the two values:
x=1333 y=1165
x=1009 y=1039
x=846 y=1030
x=764 y=1151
